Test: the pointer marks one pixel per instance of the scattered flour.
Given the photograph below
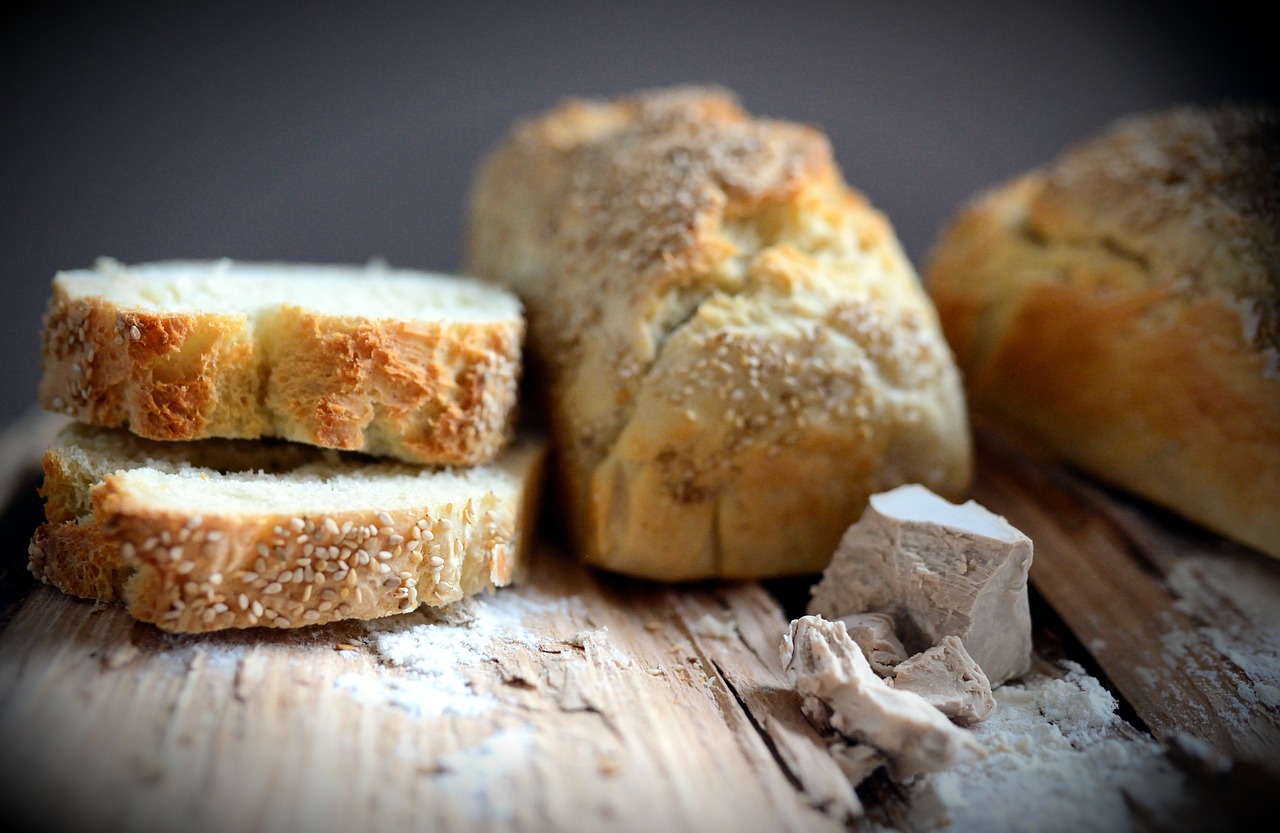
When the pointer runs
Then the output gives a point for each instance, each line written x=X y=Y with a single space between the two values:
x=470 y=776
x=1058 y=759
x=501 y=751
x=714 y=627
x=439 y=648
x=1244 y=600
x=1240 y=599
x=423 y=698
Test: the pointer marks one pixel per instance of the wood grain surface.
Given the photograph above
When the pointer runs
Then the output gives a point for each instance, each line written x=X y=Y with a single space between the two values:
x=577 y=700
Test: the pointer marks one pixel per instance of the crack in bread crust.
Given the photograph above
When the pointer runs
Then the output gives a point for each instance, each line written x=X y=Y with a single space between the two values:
x=671 y=248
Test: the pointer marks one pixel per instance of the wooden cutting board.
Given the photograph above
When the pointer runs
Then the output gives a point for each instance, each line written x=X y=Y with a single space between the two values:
x=579 y=701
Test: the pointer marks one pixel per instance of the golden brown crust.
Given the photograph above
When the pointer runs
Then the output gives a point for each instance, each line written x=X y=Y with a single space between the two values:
x=438 y=394
x=733 y=341
x=1120 y=305
x=191 y=573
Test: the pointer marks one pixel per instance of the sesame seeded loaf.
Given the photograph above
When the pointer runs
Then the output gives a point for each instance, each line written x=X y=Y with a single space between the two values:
x=1120 y=305
x=735 y=351
x=399 y=363
x=215 y=534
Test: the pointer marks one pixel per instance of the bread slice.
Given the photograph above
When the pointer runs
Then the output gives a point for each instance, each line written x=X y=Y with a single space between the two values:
x=220 y=534
x=418 y=366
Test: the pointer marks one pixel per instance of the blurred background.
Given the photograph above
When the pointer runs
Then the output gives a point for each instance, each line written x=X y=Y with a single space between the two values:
x=348 y=131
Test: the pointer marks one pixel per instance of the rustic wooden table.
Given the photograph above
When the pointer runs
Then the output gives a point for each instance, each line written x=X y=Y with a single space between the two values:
x=580 y=701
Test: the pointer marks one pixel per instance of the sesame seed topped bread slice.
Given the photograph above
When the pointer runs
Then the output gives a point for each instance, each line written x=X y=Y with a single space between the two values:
x=217 y=534
x=418 y=366
x=736 y=349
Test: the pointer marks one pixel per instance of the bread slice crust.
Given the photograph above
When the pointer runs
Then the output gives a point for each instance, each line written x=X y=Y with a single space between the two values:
x=110 y=537
x=417 y=389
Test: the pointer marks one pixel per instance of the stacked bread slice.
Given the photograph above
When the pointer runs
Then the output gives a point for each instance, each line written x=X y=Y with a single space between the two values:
x=282 y=444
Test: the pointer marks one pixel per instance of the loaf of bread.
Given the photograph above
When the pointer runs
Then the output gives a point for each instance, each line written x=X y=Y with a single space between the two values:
x=213 y=534
x=734 y=351
x=1120 y=305
x=399 y=363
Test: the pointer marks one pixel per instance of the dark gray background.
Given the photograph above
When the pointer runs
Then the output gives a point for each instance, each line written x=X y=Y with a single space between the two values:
x=342 y=132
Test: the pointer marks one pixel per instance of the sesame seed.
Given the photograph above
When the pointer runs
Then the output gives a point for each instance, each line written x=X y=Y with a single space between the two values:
x=384 y=519
x=273 y=588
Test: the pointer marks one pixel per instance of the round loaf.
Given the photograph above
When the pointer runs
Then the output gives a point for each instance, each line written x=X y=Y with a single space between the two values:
x=1121 y=306
x=734 y=349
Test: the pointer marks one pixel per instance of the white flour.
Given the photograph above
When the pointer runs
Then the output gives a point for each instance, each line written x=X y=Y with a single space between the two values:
x=1232 y=635
x=1241 y=596
x=1058 y=760
x=439 y=650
